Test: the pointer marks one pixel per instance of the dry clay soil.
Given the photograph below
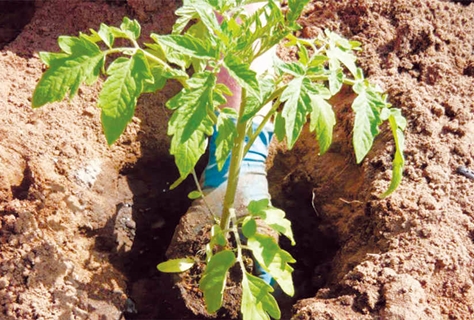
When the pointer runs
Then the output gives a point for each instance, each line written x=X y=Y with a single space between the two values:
x=82 y=225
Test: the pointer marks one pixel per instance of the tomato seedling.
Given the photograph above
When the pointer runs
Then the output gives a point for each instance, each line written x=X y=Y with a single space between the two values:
x=299 y=92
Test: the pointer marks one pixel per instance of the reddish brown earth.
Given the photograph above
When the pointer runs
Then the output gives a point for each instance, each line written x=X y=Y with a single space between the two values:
x=82 y=225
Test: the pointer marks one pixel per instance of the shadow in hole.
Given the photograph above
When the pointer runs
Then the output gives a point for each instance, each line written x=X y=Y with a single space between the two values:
x=315 y=249
x=14 y=16
x=156 y=212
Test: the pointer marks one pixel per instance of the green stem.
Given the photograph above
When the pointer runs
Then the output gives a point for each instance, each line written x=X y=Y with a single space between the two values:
x=237 y=155
x=261 y=126
x=235 y=231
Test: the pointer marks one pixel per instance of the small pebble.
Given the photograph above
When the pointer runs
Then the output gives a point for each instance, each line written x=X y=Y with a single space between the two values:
x=468 y=173
x=130 y=306
x=131 y=224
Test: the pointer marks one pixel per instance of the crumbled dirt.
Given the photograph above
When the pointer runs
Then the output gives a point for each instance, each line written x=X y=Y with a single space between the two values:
x=82 y=225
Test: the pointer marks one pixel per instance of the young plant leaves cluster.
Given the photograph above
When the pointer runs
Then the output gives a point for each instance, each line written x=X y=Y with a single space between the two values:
x=199 y=48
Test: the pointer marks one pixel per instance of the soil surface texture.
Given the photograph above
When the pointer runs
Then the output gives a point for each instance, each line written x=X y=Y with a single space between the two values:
x=83 y=225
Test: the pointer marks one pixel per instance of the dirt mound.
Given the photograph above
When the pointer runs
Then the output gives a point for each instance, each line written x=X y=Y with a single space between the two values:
x=82 y=226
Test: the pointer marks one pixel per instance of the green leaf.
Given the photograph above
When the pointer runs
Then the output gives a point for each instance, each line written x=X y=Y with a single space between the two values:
x=192 y=105
x=120 y=92
x=317 y=60
x=275 y=218
x=106 y=35
x=207 y=15
x=190 y=124
x=185 y=14
x=217 y=236
x=249 y=227
x=297 y=106
x=50 y=57
x=81 y=63
x=195 y=194
x=397 y=124
x=241 y=72
x=131 y=27
x=214 y=279
x=226 y=132
x=323 y=121
x=255 y=206
x=280 y=127
x=257 y=302
x=294 y=68
x=336 y=78
x=273 y=260
x=295 y=8
x=176 y=265
x=159 y=78
x=254 y=103
x=346 y=57
x=185 y=44
x=188 y=153
x=366 y=123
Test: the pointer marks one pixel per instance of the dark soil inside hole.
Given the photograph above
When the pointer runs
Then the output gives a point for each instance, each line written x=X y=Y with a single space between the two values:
x=315 y=246
x=156 y=212
x=14 y=15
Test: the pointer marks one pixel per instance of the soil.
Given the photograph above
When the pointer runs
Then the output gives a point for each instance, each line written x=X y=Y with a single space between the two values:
x=83 y=226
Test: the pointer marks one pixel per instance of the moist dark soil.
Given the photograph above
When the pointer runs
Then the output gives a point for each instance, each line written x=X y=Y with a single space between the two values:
x=83 y=225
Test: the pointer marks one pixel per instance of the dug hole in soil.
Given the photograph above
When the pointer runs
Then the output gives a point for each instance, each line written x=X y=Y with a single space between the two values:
x=83 y=226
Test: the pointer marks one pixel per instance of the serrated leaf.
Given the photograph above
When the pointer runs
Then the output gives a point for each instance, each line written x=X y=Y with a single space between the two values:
x=275 y=218
x=241 y=72
x=93 y=37
x=185 y=44
x=192 y=104
x=120 y=92
x=317 y=60
x=366 y=125
x=295 y=8
x=255 y=206
x=82 y=63
x=217 y=236
x=296 y=69
x=346 y=57
x=274 y=260
x=267 y=85
x=50 y=57
x=336 y=78
x=249 y=227
x=257 y=302
x=131 y=27
x=106 y=35
x=322 y=121
x=188 y=153
x=176 y=265
x=159 y=78
x=214 y=279
x=296 y=108
x=208 y=17
x=185 y=14
x=226 y=132
x=303 y=55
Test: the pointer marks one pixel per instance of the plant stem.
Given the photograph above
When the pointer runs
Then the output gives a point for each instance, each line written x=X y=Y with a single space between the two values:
x=237 y=156
x=261 y=126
